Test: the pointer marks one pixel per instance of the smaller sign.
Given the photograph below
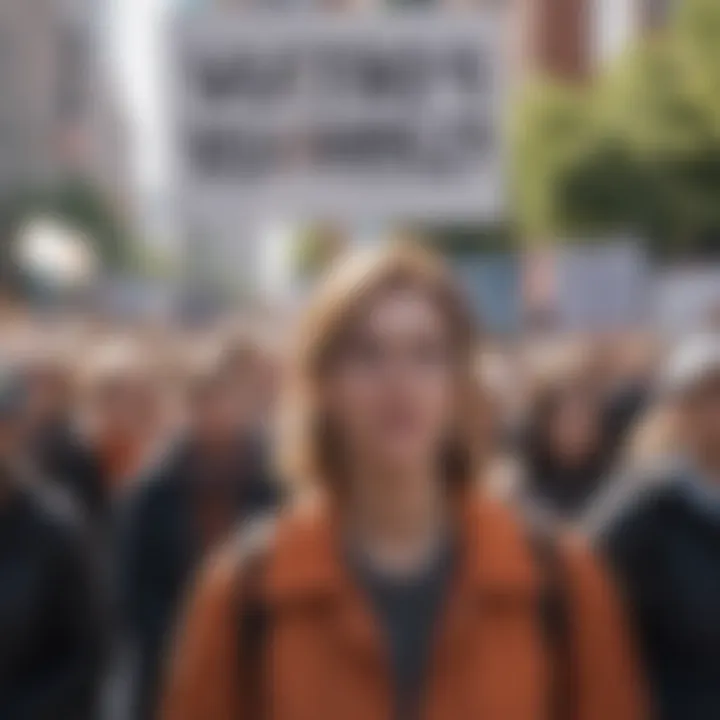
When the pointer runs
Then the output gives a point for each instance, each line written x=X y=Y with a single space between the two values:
x=602 y=287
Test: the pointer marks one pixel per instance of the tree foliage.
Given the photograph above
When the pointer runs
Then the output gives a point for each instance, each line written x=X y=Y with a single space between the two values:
x=458 y=240
x=638 y=150
x=316 y=248
x=79 y=204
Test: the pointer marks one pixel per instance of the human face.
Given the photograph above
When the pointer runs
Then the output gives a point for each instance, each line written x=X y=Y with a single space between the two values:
x=124 y=406
x=391 y=393
x=214 y=415
x=699 y=422
x=575 y=428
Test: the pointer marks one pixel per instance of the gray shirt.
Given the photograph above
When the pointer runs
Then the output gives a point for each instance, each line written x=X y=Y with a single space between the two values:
x=407 y=611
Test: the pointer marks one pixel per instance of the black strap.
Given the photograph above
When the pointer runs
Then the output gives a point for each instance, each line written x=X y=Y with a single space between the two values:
x=254 y=617
x=554 y=612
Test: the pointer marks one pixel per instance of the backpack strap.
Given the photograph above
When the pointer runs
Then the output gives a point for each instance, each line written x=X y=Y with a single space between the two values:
x=554 y=617
x=254 y=618
x=253 y=613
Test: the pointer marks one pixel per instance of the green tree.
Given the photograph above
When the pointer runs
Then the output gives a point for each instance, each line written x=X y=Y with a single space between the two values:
x=316 y=247
x=76 y=202
x=554 y=133
x=82 y=205
x=638 y=150
x=458 y=240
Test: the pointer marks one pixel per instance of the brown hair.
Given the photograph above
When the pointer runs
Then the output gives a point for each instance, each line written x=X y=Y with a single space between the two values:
x=307 y=449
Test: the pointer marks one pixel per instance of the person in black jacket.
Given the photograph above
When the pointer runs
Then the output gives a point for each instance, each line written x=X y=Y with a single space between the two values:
x=52 y=619
x=664 y=545
x=566 y=449
x=195 y=496
x=56 y=448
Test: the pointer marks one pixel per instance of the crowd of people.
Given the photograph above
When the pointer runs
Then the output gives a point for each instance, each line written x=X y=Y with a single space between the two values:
x=379 y=514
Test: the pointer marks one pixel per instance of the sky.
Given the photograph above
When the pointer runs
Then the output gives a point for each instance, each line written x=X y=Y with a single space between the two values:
x=137 y=56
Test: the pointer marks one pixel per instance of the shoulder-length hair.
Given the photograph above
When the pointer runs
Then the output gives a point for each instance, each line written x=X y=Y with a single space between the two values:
x=308 y=449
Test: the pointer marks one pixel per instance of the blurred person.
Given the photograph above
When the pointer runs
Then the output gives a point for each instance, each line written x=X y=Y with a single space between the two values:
x=58 y=449
x=664 y=543
x=122 y=413
x=502 y=380
x=566 y=451
x=499 y=389
x=630 y=393
x=52 y=619
x=213 y=477
x=392 y=588
x=652 y=446
x=252 y=367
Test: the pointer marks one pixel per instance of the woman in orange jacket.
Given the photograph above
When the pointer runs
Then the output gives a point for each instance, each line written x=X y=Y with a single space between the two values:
x=396 y=593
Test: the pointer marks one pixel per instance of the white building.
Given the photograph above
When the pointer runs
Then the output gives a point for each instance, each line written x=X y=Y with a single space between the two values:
x=28 y=82
x=58 y=116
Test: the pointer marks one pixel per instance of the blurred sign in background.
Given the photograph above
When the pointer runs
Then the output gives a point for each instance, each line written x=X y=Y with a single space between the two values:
x=317 y=115
x=194 y=144
x=602 y=287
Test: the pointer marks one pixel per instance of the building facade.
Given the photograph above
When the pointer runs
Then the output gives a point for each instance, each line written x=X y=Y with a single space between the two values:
x=572 y=39
x=28 y=81
x=58 y=116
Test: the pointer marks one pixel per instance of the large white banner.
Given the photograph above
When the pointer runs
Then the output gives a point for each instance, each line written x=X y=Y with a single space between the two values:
x=314 y=116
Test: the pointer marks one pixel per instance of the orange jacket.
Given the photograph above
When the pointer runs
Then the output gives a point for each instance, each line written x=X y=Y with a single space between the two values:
x=325 y=659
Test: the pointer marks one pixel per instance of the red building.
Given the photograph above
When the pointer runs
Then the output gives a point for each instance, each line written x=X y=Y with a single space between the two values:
x=557 y=37
x=567 y=38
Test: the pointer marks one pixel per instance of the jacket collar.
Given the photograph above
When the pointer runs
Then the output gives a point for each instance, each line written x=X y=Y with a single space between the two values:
x=307 y=562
